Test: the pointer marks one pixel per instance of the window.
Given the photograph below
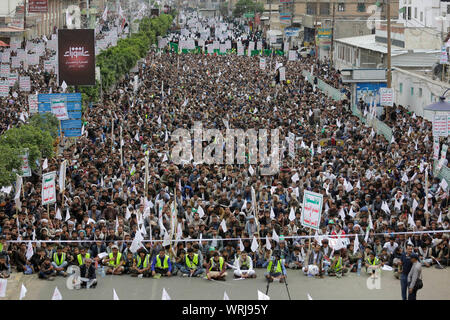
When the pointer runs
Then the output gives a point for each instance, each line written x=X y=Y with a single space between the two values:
x=325 y=9
x=311 y=8
x=412 y=91
x=421 y=16
x=420 y=92
x=448 y=9
x=401 y=87
x=341 y=7
x=432 y=97
x=361 y=7
x=409 y=13
x=415 y=13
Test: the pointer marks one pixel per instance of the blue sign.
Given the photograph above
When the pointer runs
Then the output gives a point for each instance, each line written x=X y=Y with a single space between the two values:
x=369 y=91
x=71 y=127
x=291 y=32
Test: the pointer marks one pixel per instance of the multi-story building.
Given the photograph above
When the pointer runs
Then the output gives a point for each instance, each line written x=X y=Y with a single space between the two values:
x=433 y=14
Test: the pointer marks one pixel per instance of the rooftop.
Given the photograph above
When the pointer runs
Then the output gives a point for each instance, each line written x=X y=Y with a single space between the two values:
x=368 y=42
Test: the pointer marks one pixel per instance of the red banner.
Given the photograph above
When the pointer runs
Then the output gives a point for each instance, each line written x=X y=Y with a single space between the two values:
x=37 y=6
x=76 y=56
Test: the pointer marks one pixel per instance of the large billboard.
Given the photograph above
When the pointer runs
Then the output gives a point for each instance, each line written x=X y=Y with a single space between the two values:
x=37 y=6
x=71 y=102
x=76 y=56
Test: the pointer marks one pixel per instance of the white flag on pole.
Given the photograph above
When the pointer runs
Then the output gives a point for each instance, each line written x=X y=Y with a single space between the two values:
x=275 y=236
x=165 y=295
x=241 y=245
x=3 y=285
x=272 y=214
x=292 y=214
x=200 y=211
x=67 y=215
x=23 y=292
x=29 y=251
x=251 y=170
x=225 y=296
x=58 y=214
x=385 y=207
x=254 y=246
x=45 y=164
x=223 y=225
x=57 y=295
x=262 y=296
x=356 y=245
x=309 y=297
x=268 y=244
x=115 y=296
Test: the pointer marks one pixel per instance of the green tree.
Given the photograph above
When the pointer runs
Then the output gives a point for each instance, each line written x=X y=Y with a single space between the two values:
x=45 y=122
x=244 y=6
x=10 y=164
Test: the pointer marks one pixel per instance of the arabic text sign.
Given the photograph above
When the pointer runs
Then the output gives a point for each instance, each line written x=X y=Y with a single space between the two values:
x=26 y=170
x=291 y=145
x=440 y=122
x=25 y=84
x=387 y=97
x=48 y=188
x=4 y=88
x=76 y=56
x=59 y=108
x=312 y=209
x=33 y=103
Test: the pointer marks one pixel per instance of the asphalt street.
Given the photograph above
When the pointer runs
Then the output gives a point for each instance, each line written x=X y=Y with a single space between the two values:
x=350 y=287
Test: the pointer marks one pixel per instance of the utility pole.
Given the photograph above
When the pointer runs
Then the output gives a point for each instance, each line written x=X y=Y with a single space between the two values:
x=315 y=29
x=389 y=71
x=332 y=33
x=24 y=19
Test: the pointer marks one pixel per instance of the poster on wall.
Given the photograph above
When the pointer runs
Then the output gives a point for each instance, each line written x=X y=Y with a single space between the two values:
x=76 y=57
x=369 y=91
x=37 y=6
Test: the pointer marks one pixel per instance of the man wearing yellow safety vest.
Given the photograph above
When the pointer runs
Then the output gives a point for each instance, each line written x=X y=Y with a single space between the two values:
x=372 y=264
x=337 y=268
x=82 y=256
x=59 y=262
x=161 y=264
x=244 y=267
x=193 y=263
x=216 y=268
x=114 y=261
x=141 y=264
x=275 y=268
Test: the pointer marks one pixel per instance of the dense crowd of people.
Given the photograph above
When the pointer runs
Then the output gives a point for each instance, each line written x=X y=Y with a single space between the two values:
x=197 y=218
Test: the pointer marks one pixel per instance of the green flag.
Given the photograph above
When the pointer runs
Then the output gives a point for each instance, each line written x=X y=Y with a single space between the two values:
x=402 y=10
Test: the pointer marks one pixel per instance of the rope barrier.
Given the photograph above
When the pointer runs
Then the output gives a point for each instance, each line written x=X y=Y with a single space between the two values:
x=233 y=239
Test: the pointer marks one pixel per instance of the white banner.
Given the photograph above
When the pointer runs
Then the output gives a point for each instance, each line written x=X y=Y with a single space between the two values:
x=4 y=88
x=292 y=55
x=312 y=209
x=440 y=122
x=291 y=145
x=48 y=188
x=33 y=104
x=59 y=108
x=436 y=148
x=5 y=70
x=262 y=63
x=26 y=170
x=25 y=84
x=13 y=78
x=282 y=74
x=387 y=97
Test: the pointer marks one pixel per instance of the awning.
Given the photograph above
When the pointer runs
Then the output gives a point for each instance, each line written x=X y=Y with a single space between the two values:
x=12 y=29
x=2 y=44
